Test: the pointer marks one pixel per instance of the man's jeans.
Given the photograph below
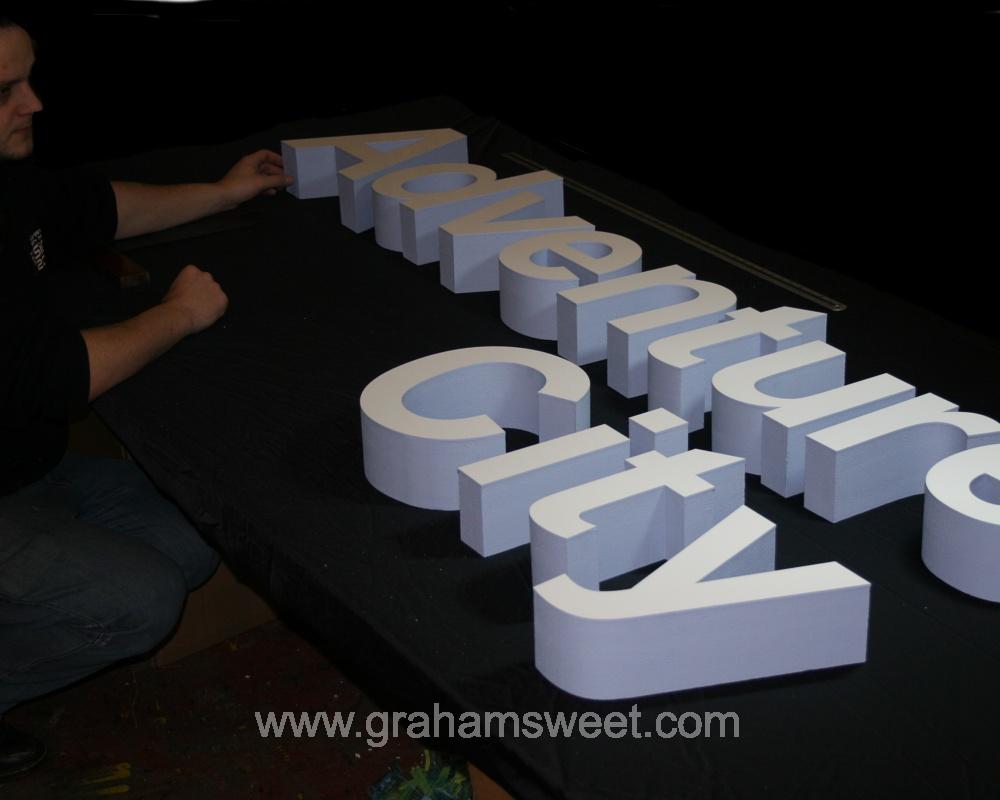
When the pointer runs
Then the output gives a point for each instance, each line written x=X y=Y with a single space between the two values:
x=94 y=567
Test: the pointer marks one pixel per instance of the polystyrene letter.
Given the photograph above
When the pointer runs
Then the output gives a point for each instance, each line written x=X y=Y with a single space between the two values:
x=714 y=613
x=470 y=246
x=883 y=456
x=784 y=430
x=314 y=164
x=361 y=160
x=618 y=319
x=961 y=543
x=534 y=271
x=742 y=393
x=411 y=204
x=657 y=430
x=681 y=366
x=495 y=494
x=609 y=526
x=629 y=337
x=423 y=420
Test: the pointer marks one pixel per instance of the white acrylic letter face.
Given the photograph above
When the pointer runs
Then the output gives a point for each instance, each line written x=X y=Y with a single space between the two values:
x=961 y=542
x=743 y=392
x=470 y=246
x=534 y=271
x=714 y=613
x=423 y=420
x=495 y=494
x=622 y=522
x=784 y=430
x=412 y=204
x=681 y=367
x=883 y=456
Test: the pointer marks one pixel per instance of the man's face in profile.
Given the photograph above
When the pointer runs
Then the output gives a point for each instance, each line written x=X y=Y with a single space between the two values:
x=17 y=99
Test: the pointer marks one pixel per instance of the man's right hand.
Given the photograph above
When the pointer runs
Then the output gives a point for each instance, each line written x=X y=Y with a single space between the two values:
x=193 y=302
x=195 y=294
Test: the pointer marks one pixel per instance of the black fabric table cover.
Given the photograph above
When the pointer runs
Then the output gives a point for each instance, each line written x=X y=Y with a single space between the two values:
x=253 y=427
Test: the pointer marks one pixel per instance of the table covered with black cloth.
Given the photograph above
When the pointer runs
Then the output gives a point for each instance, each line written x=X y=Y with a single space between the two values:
x=253 y=427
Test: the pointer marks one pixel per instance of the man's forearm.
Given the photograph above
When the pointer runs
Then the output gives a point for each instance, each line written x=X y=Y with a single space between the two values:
x=193 y=302
x=145 y=208
x=118 y=351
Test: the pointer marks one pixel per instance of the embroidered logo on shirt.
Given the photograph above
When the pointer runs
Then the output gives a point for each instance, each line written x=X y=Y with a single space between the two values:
x=38 y=250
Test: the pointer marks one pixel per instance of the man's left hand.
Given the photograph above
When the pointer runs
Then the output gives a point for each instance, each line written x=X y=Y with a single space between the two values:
x=257 y=173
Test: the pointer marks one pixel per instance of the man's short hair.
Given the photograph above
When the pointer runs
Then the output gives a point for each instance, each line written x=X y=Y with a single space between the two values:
x=16 y=22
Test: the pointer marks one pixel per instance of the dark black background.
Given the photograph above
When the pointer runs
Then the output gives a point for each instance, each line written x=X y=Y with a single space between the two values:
x=864 y=142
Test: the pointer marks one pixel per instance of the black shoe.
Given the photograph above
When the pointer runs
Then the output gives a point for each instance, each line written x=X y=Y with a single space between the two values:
x=19 y=751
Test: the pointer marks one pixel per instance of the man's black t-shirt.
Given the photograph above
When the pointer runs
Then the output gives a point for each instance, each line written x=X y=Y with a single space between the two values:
x=49 y=222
